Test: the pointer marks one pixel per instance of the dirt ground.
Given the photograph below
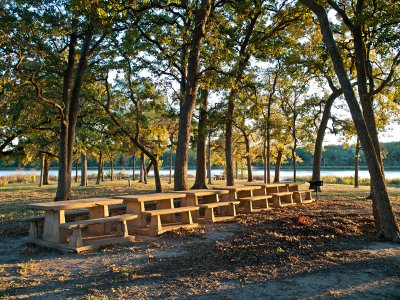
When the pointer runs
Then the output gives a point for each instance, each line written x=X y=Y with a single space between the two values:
x=323 y=250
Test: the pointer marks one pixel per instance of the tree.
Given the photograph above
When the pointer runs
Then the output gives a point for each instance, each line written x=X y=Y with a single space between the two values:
x=387 y=222
x=188 y=104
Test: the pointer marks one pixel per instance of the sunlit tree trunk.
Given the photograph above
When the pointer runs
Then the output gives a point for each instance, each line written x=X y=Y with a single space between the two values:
x=84 y=177
x=356 y=163
x=99 y=169
x=278 y=165
x=187 y=107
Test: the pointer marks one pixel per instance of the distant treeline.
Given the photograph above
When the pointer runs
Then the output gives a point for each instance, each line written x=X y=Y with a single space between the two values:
x=333 y=156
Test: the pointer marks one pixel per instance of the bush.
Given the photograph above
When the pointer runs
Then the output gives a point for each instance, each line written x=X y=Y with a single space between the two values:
x=3 y=181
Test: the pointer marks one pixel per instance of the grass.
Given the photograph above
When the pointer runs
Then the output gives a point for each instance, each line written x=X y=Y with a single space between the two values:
x=15 y=197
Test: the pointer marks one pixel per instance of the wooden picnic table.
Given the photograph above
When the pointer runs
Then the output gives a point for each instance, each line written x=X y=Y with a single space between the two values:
x=238 y=191
x=55 y=215
x=208 y=196
x=268 y=188
x=135 y=204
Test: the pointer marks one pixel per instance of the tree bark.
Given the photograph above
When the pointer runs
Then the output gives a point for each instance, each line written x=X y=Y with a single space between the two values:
x=278 y=165
x=84 y=178
x=112 y=169
x=209 y=159
x=76 y=170
x=42 y=159
x=248 y=158
x=238 y=72
x=133 y=167
x=99 y=169
x=200 y=181
x=187 y=107
x=316 y=173
x=171 y=140
x=388 y=225
x=142 y=168
x=228 y=140
x=356 y=163
x=46 y=171
x=71 y=94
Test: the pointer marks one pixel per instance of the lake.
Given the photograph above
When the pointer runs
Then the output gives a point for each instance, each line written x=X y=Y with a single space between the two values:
x=286 y=173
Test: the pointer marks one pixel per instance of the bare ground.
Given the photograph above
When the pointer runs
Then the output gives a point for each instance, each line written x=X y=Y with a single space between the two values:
x=322 y=250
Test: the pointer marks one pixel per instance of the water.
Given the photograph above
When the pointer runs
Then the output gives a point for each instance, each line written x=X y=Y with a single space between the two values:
x=286 y=173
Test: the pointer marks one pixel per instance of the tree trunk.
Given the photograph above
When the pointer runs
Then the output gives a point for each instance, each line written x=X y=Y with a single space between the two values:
x=200 y=181
x=142 y=167
x=248 y=159
x=84 y=178
x=268 y=129
x=187 y=107
x=316 y=173
x=278 y=165
x=46 y=171
x=133 y=167
x=42 y=159
x=228 y=140
x=356 y=163
x=264 y=158
x=238 y=72
x=71 y=94
x=112 y=169
x=99 y=169
x=388 y=225
x=171 y=139
x=236 y=170
x=209 y=159
x=149 y=166
x=76 y=170
x=102 y=170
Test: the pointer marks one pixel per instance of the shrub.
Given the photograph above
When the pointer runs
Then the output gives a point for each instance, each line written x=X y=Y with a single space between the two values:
x=3 y=181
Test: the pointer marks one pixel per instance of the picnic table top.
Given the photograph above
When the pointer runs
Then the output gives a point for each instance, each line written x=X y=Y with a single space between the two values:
x=238 y=188
x=203 y=192
x=74 y=204
x=274 y=184
x=295 y=183
x=151 y=197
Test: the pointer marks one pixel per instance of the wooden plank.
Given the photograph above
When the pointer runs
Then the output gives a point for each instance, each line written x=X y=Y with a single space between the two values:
x=74 y=204
x=203 y=192
x=151 y=197
x=255 y=198
x=219 y=204
x=170 y=210
x=105 y=220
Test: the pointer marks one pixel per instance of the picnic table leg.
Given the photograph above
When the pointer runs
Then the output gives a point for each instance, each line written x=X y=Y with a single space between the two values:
x=164 y=204
x=95 y=213
x=51 y=229
x=232 y=210
x=155 y=223
x=122 y=229
x=187 y=217
x=136 y=208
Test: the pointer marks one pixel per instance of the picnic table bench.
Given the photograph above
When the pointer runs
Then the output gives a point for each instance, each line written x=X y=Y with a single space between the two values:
x=300 y=196
x=249 y=198
x=163 y=218
x=216 y=204
x=56 y=235
x=219 y=177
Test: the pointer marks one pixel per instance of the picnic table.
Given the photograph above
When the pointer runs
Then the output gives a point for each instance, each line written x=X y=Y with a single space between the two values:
x=164 y=213
x=55 y=227
x=216 y=204
x=238 y=191
x=284 y=193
